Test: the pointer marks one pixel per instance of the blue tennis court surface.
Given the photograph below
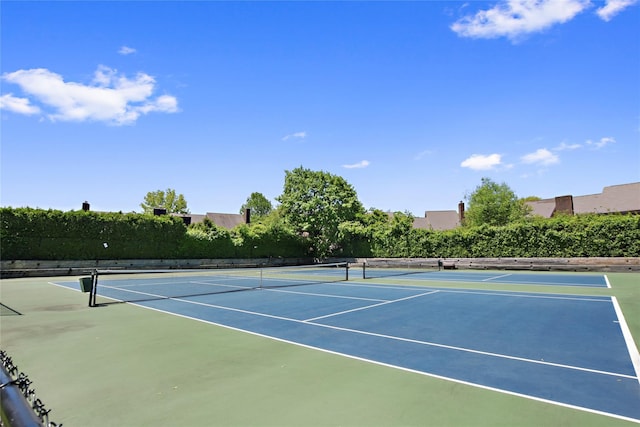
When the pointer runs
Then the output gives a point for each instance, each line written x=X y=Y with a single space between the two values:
x=573 y=351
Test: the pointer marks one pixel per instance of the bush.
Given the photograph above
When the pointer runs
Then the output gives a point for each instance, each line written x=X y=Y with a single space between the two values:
x=31 y=234
x=206 y=240
x=562 y=236
x=55 y=235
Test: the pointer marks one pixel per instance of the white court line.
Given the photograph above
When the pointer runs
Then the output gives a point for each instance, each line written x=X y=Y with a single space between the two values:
x=497 y=277
x=469 y=279
x=480 y=386
x=628 y=338
x=322 y=295
x=136 y=282
x=388 y=365
x=503 y=293
x=409 y=340
x=367 y=307
x=149 y=294
x=525 y=295
x=391 y=337
x=606 y=280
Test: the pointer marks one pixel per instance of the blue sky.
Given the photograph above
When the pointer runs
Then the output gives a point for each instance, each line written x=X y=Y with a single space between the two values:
x=411 y=102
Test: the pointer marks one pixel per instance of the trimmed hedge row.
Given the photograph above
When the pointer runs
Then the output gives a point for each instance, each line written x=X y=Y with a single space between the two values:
x=55 y=235
x=35 y=234
x=244 y=241
x=563 y=236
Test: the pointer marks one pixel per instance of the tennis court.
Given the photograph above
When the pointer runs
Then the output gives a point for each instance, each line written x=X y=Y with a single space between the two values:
x=570 y=350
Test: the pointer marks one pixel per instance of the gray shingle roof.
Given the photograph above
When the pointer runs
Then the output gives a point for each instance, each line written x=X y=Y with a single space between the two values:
x=616 y=198
x=624 y=198
x=226 y=220
x=440 y=220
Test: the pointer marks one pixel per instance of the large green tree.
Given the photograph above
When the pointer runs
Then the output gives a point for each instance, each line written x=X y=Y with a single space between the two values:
x=168 y=199
x=494 y=204
x=260 y=206
x=316 y=203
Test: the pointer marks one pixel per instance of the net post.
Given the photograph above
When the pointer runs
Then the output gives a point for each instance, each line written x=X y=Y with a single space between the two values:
x=364 y=270
x=347 y=272
x=94 y=290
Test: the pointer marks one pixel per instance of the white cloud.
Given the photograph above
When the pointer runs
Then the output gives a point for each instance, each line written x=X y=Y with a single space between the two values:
x=111 y=97
x=516 y=18
x=601 y=143
x=17 y=105
x=482 y=162
x=567 y=147
x=541 y=156
x=359 y=165
x=422 y=154
x=613 y=7
x=126 y=50
x=297 y=135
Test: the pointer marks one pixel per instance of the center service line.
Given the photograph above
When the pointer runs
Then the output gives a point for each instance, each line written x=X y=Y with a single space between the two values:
x=369 y=306
x=496 y=277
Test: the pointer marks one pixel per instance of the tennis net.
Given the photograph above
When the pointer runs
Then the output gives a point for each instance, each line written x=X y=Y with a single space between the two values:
x=387 y=268
x=143 y=285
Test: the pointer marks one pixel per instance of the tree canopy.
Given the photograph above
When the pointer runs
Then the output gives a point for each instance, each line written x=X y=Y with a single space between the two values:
x=165 y=200
x=260 y=206
x=316 y=203
x=493 y=204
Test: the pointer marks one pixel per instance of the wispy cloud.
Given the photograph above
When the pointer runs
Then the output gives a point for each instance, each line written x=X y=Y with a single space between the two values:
x=297 y=135
x=482 y=162
x=541 y=156
x=359 y=165
x=567 y=147
x=111 y=97
x=126 y=50
x=603 y=142
x=423 y=154
x=11 y=103
x=614 y=7
x=596 y=145
x=516 y=18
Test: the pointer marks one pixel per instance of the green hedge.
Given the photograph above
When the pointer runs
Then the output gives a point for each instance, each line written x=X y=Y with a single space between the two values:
x=255 y=241
x=55 y=235
x=563 y=236
x=77 y=235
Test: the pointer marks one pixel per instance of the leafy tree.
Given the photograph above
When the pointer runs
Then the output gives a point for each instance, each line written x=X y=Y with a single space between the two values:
x=402 y=232
x=494 y=204
x=316 y=203
x=374 y=217
x=166 y=200
x=260 y=206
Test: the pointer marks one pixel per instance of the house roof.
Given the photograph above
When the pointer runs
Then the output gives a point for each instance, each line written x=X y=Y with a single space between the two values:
x=219 y=219
x=624 y=198
x=439 y=220
x=226 y=220
x=616 y=198
x=421 y=223
x=544 y=208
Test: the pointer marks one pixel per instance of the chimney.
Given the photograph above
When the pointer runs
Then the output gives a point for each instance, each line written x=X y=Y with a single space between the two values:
x=247 y=216
x=85 y=206
x=461 y=211
x=564 y=204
